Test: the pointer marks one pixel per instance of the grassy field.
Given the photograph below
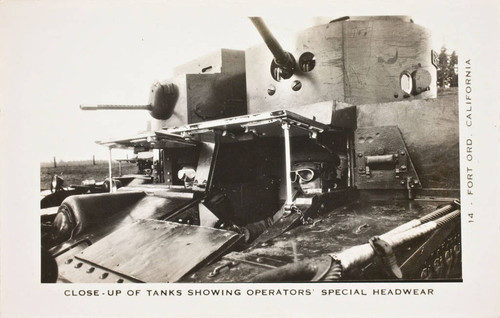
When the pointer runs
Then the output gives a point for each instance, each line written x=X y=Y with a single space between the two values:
x=447 y=91
x=74 y=172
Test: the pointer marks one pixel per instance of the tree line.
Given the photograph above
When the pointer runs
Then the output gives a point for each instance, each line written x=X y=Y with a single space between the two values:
x=447 y=69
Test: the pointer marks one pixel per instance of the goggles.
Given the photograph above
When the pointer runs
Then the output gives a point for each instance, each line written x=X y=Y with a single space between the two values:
x=302 y=174
x=186 y=173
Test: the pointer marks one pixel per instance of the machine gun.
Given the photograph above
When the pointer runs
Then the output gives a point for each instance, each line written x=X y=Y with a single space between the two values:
x=283 y=64
x=162 y=99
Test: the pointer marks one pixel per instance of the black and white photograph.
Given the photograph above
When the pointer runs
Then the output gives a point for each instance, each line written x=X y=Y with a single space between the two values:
x=193 y=159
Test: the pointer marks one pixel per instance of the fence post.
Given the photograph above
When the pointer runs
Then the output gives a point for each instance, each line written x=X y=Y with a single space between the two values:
x=55 y=164
x=93 y=160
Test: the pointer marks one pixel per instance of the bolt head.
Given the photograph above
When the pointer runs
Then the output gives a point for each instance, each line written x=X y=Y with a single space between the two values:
x=296 y=85
x=271 y=90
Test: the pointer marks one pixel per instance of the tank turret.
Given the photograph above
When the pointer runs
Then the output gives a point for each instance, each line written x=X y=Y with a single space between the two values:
x=353 y=60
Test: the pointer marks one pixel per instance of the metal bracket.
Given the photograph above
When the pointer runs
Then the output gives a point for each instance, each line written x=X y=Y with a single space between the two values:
x=167 y=167
x=382 y=160
x=217 y=270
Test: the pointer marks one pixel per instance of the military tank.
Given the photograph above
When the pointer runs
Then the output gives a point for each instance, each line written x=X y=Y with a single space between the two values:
x=330 y=160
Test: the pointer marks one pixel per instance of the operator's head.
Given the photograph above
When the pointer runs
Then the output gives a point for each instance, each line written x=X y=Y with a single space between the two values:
x=314 y=177
x=315 y=171
x=187 y=175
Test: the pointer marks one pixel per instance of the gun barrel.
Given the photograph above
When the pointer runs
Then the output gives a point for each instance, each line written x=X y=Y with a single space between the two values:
x=281 y=57
x=115 y=107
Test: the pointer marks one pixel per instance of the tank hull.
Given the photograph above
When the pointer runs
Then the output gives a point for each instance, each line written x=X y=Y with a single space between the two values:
x=343 y=165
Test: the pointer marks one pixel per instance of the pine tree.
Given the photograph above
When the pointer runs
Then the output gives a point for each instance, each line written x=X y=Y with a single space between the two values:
x=452 y=69
x=442 y=70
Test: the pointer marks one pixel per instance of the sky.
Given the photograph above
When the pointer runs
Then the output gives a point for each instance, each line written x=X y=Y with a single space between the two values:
x=56 y=55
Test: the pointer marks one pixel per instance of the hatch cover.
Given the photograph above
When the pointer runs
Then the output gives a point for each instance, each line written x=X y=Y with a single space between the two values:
x=156 y=251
